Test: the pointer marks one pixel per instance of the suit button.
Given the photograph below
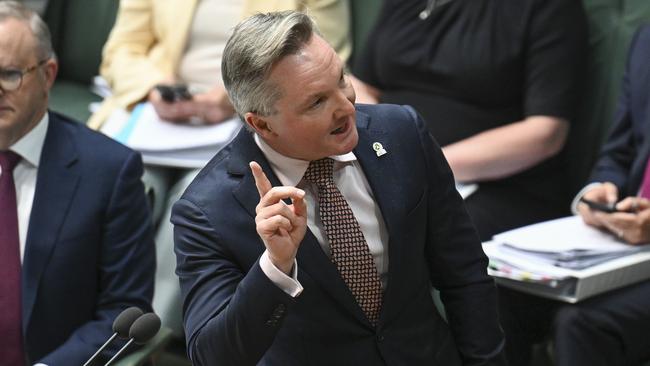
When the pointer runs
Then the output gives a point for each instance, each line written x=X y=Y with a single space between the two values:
x=380 y=337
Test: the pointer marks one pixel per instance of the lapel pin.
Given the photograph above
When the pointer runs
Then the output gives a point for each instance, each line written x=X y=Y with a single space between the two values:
x=379 y=149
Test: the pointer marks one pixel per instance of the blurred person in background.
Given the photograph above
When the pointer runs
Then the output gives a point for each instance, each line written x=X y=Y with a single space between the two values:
x=497 y=82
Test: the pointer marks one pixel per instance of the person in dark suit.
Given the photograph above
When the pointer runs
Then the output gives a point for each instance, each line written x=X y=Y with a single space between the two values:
x=613 y=329
x=315 y=237
x=610 y=329
x=75 y=240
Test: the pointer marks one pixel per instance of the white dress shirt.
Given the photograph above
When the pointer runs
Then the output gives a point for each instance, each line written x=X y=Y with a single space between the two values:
x=29 y=147
x=352 y=182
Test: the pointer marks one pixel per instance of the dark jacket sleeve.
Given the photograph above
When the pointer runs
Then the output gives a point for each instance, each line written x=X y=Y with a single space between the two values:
x=458 y=265
x=226 y=309
x=621 y=148
x=126 y=267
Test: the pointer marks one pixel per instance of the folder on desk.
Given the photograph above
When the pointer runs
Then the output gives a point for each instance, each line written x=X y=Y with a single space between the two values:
x=565 y=259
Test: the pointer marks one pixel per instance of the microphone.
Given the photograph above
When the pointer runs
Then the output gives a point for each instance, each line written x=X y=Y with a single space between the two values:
x=121 y=326
x=142 y=330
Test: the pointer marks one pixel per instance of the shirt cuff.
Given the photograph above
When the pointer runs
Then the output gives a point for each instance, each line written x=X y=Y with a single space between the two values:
x=576 y=199
x=290 y=285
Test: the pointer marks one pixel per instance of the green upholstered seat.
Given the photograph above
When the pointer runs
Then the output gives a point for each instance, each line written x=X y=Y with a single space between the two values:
x=612 y=23
x=79 y=30
x=363 y=13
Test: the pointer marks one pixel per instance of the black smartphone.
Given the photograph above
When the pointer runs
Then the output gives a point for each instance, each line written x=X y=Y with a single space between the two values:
x=173 y=93
x=599 y=206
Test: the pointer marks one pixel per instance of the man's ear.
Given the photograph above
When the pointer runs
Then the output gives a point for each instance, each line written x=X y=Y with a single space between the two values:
x=51 y=68
x=259 y=124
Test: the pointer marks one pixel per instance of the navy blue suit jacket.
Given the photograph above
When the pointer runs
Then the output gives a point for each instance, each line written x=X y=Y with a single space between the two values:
x=624 y=156
x=234 y=315
x=89 y=252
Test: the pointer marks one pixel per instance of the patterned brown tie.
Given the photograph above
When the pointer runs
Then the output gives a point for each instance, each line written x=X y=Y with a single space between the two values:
x=350 y=252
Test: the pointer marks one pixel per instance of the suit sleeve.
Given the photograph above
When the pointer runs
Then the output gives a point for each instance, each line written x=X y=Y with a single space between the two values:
x=227 y=311
x=125 y=270
x=620 y=150
x=458 y=266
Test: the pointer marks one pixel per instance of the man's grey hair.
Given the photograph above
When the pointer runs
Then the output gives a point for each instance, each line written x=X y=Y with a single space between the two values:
x=18 y=11
x=258 y=43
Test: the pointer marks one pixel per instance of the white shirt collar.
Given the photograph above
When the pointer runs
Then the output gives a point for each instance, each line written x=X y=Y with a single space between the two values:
x=289 y=170
x=29 y=147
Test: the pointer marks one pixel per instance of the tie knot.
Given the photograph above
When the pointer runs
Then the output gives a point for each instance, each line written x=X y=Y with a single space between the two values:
x=319 y=171
x=8 y=160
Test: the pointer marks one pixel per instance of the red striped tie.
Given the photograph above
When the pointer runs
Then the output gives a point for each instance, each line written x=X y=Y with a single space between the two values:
x=11 y=350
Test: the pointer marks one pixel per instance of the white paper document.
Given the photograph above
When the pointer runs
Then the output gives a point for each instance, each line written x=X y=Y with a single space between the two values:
x=171 y=144
x=565 y=259
x=566 y=235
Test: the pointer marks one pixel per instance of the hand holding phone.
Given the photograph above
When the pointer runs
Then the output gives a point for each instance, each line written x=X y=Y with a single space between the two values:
x=599 y=206
x=173 y=93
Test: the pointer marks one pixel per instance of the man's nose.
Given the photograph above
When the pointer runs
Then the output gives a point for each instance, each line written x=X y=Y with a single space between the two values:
x=345 y=105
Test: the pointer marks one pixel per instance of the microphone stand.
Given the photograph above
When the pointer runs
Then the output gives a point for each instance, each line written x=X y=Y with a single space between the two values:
x=119 y=352
x=100 y=349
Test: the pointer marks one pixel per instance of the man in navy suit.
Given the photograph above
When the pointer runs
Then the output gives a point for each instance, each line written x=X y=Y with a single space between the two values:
x=613 y=329
x=266 y=276
x=75 y=238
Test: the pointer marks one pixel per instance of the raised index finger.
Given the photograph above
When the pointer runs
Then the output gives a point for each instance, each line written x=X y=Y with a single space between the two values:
x=261 y=181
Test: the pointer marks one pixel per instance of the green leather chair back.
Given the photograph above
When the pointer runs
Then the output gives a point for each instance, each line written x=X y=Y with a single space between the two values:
x=363 y=13
x=612 y=23
x=79 y=30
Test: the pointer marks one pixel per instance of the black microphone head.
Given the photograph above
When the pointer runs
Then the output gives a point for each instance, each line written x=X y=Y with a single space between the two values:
x=145 y=328
x=125 y=320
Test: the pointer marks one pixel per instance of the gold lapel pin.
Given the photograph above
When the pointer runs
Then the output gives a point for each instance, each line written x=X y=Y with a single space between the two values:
x=379 y=149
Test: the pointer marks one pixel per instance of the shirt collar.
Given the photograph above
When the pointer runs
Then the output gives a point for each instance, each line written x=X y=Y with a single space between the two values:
x=29 y=147
x=289 y=170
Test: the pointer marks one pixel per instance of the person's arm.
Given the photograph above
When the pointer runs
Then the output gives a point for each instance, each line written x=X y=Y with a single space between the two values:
x=555 y=47
x=125 y=269
x=126 y=64
x=226 y=309
x=458 y=266
x=506 y=150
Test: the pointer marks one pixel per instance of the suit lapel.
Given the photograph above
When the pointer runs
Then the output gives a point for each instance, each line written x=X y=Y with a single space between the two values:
x=379 y=171
x=312 y=261
x=643 y=153
x=56 y=183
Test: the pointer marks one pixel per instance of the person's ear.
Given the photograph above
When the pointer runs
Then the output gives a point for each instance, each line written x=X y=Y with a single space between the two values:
x=259 y=124
x=51 y=68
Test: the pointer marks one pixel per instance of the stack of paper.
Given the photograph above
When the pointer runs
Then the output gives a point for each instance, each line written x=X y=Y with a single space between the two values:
x=566 y=242
x=565 y=259
x=166 y=143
